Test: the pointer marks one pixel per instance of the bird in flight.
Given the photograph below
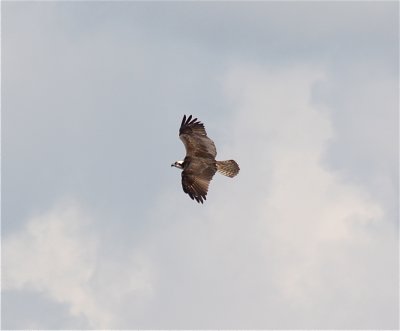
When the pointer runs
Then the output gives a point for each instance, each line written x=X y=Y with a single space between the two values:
x=199 y=165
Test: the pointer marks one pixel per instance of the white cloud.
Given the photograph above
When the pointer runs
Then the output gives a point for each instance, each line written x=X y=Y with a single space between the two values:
x=287 y=243
x=307 y=214
x=58 y=254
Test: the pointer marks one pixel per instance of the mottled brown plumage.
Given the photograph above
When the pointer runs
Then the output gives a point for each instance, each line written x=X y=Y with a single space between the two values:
x=199 y=165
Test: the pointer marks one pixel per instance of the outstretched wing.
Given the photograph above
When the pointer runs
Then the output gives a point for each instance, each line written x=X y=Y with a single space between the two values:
x=197 y=176
x=194 y=137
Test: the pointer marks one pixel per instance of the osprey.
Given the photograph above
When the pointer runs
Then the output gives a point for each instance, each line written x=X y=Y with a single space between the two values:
x=199 y=165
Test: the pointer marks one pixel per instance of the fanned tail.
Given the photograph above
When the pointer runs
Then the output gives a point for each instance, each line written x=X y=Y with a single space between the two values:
x=228 y=168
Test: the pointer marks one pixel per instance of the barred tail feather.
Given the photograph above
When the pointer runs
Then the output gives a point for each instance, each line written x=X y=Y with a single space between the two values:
x=228 y=168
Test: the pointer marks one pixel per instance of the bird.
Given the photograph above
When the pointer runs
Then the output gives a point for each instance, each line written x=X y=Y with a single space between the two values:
x=199 y=165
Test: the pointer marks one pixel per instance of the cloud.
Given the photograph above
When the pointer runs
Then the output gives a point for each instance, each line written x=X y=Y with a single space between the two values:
x=303 y=238
x=287 y=237
x=363 y=108
x=311 y=218
x=57 y=254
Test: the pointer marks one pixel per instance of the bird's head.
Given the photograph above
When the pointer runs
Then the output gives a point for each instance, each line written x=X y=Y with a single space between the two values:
x=177 y=164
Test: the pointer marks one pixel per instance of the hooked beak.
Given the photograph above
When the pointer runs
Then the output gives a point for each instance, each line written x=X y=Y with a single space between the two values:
x=172 y=164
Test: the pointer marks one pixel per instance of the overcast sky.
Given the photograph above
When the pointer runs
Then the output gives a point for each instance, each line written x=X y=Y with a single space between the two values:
x=96 y=230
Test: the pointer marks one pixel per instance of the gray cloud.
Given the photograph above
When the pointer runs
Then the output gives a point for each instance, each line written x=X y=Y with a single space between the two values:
x=23 y=308
x=301 y=94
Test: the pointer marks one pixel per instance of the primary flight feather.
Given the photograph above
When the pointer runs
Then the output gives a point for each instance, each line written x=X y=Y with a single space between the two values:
x=199 y=164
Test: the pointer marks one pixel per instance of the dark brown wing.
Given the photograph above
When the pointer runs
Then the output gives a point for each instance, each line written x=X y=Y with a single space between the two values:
x=196 y=177
x=194 y=137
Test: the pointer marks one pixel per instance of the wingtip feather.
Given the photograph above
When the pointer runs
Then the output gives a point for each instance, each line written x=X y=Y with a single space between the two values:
x=183 y=120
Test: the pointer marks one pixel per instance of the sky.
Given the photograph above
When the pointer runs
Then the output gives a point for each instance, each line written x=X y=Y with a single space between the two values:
x=96 y=230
